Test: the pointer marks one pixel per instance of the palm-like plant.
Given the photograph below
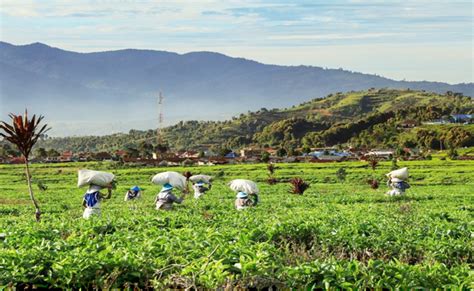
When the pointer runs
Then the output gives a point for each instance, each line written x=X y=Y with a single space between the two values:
x=373 y=163
x=271 y=169
x=24 y=133
x=298 y=186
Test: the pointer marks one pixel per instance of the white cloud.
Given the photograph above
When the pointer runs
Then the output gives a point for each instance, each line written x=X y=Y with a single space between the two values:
x=253 y=27
x=16 y=9
x=330 y=36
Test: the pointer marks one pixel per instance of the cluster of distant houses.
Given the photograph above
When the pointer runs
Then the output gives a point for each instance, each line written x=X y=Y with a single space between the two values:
x=463 y=119
x=453 y=118
x=246 y=155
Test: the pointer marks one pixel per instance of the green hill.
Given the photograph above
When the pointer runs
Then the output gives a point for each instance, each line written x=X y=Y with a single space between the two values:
x=353 y=111
x=339 y=118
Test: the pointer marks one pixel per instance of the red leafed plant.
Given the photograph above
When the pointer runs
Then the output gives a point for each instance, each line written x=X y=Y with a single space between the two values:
x=24 y=133
x=272 y=180
x=188 y=175
x=271 y=169
x=374 y=184
x=373 y=163
x=298 y=186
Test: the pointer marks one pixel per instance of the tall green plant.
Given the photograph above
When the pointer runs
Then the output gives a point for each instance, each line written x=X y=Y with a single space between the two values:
x=341 y=174
x=24 y=133
x=271 y=174
x=373 y=163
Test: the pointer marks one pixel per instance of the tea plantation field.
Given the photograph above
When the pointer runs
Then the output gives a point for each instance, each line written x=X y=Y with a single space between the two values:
x=340 y=234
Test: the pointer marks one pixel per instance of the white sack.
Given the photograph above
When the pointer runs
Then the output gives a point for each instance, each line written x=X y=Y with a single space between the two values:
x=242 y=185
x=204 y=178
x=175 y=179
x=401 y=174
x=88 y=177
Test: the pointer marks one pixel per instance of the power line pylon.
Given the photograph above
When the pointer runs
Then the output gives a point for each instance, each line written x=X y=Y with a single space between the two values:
x=160 y=118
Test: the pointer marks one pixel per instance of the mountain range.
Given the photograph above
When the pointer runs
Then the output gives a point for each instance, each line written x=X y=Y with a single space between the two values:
x=112 y=91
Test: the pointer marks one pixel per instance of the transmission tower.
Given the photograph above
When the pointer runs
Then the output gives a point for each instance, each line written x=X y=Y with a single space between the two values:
x=160 y=118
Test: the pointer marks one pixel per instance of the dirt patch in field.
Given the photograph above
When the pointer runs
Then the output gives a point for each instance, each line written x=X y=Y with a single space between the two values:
x=13 y=201
x=323 y=112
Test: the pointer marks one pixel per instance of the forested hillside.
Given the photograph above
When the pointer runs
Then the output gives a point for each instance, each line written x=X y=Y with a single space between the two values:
x=364 y=118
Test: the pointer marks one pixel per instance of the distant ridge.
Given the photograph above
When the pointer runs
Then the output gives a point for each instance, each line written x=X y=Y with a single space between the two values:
x=103 y=92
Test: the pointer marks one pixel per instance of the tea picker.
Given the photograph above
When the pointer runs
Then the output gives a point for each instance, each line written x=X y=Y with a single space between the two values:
x=246 y=193
x=397 y=182
x=133 y=193
x=199 y=182
x=96 y=181
x=169 y=180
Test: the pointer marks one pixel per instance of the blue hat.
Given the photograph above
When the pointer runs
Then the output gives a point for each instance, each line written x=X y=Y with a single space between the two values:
x=200 y=183
x=242 y=195
x=135 y=188
x=167 y=187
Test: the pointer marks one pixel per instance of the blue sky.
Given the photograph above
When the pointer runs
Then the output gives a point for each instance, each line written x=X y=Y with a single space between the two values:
x=412 y=40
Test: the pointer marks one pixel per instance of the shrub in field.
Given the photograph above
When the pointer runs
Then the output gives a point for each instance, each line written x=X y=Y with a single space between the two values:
x=187 y=174
x=452 y=153
x=373 y=163
x=298 y=185
x=374 y=184
x=40 y=185
x=265 y=157
x=341 y=174
x=24 y=133
x=220 y=174
x=272 y=180
x=271 y=174
x=271 y=169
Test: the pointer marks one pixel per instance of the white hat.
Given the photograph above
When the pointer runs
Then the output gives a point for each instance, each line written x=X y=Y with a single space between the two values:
x=396 y=180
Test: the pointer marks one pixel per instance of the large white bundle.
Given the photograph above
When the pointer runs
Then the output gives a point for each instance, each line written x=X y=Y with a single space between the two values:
x=90 y=177
x=175 y=179
x=242 y=185
x=401 y=174
x=200 y=178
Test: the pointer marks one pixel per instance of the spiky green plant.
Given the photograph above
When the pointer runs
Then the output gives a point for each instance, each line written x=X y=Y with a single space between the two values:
x=24 y=133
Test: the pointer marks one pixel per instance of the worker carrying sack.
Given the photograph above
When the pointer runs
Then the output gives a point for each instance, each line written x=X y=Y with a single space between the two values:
x=89 y=177
x=200 y=178
x=401 y=174
x=242 y=185
x=173 y=178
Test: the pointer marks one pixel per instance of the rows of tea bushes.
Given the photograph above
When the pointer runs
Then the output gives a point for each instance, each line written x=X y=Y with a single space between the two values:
x=339 y=233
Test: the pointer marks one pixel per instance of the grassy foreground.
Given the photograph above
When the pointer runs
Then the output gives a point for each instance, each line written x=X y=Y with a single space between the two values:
x=338 y=234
